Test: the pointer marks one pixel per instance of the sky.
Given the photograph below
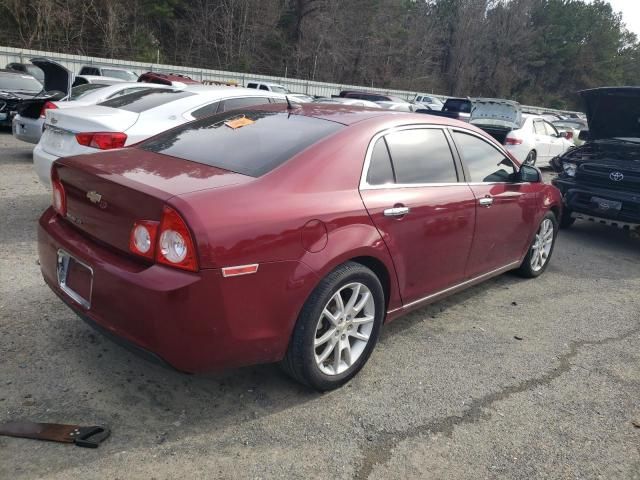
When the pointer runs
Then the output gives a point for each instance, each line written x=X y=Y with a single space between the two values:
x=630 y=13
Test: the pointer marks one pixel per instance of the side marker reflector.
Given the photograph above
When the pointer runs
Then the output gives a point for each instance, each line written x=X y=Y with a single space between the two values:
x=241 y=270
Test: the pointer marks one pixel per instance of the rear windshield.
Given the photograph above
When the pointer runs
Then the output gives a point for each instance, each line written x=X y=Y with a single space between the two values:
x=122 y=74
x=244 y=141
x=138 y=102
x=19 y=83
x=463 y=106
x=80 y=91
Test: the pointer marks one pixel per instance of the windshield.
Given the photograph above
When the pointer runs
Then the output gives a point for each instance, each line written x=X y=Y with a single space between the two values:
x=81 y=90
x=122 y=74
x=279 y=89
x=244 y=141
x=19 y=83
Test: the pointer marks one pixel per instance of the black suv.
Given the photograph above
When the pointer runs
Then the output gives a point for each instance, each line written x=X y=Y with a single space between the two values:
x=600 y=180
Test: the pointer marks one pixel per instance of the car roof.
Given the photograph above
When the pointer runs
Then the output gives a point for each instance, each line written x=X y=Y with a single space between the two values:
x=349 y=115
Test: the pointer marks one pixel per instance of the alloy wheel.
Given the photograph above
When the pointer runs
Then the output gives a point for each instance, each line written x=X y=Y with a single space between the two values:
x=344 y=328
x=542 y=245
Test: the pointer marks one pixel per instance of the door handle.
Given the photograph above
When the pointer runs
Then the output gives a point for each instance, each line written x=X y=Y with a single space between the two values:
x=396 y=212
x=486 y=202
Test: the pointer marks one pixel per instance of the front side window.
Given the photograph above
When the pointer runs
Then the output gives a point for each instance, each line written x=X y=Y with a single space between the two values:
x=421 y=155
x=484 y=162
x=551 y=130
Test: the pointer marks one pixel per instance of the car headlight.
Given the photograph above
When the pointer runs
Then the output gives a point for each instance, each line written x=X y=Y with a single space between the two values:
x=570 y=169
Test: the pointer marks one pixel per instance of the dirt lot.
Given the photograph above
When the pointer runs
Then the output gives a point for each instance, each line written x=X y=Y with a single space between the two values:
x=448 y=393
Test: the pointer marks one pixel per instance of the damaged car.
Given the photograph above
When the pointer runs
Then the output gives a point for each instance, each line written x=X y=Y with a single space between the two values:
x=600 y=180
x=529 y=138
x=20 y=93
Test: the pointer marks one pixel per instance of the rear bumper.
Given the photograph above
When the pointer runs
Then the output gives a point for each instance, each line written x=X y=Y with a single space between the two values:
x=195 y=322
x=27 y=129
x=577 y=198
x=42 y=162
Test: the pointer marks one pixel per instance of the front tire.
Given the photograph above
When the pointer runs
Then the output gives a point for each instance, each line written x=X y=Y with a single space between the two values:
x=337 y=328
x=537 y=259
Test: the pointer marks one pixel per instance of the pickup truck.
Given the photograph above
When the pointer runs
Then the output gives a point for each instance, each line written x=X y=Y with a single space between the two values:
x=458 y=108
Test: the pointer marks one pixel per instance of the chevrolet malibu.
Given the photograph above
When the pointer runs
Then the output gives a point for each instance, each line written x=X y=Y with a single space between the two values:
x=287 y=234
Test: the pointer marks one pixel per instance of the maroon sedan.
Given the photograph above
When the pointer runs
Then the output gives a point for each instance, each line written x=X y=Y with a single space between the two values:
x=288 y=234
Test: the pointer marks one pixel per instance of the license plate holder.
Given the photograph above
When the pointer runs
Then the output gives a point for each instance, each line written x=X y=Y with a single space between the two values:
x=75 y=278
x=605 y=205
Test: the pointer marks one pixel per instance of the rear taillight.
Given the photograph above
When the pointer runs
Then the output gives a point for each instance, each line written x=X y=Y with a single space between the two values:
x=143 y=238
x=513 y=141
x=45 y=107
x=102 y=140
x=59 y=197
x=168 y=242
x=175 y=244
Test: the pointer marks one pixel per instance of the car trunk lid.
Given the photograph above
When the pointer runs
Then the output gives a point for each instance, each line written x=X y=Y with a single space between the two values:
x=107 y=192
x=505 y=113
x=63 y=124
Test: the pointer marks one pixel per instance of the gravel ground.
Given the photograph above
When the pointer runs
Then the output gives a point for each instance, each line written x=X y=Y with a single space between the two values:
x=448 y=393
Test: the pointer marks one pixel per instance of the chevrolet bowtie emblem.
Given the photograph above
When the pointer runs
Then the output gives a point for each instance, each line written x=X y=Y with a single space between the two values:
x=94 y=197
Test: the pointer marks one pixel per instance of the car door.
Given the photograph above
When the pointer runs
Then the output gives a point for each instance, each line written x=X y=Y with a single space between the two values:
x=425 y=215
x=556 y=143
x=505 y=207
x=543 y=142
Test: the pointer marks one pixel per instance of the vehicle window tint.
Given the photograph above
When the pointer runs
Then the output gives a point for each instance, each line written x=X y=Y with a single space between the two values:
x=249 y=142
x=252 y=85
x=205 y=111
x=421 y=156
x=484 y=162
x=145 y=100
x=264 y=87
x=380 y=169
x=233 y=103
x=81 y=90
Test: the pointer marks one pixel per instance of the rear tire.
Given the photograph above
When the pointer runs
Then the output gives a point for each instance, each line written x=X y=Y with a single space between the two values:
x=337 y=328
x=539 y=255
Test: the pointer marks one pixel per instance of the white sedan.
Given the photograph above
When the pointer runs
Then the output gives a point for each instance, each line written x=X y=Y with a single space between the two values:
x=529 y=138
x=129 y=119
x=28 y=125
x=536 y=142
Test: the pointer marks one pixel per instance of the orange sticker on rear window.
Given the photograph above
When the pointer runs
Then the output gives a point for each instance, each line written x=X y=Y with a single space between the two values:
x=239 y=122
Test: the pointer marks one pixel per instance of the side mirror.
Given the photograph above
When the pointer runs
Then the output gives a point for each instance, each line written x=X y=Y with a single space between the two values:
x=529 y=174
x=584 y=135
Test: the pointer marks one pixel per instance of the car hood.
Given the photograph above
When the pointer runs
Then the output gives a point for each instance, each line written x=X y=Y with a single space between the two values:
x=56 y=77
x=612 y=112
x=498 y=110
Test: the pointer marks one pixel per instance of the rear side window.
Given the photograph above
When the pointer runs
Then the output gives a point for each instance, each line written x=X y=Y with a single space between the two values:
x=484 y=162
x=421 y=156
x=205 y=111
x=538 y=127
x=380 y=168
x=145 y=100
x=80 y=90
x=248 y=142
x=264 y=87
x=252 y=85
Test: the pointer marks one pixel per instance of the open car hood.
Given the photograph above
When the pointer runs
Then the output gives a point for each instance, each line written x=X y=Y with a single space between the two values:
x=613 y=112
x=499 y=111
x=56 y=77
